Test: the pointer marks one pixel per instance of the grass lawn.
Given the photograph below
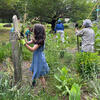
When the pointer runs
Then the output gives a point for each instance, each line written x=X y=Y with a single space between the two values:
x=4 y=33
x=3 y=28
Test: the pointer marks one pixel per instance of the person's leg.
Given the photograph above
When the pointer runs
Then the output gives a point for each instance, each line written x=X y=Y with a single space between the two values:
x=43 y=82
x=33 y=81
x=62 y=36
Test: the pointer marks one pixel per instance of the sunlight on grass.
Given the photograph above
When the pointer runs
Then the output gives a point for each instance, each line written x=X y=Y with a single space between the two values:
x=1 y=26
x=4 y=33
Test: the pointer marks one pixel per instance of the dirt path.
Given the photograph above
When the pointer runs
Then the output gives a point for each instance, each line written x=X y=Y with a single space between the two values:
x=27 y=77
x=26 y=74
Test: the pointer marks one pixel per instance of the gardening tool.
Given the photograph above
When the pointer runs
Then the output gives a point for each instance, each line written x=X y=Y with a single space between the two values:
x=76 y=26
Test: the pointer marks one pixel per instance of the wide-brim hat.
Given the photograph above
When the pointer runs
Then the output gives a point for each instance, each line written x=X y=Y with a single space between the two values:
x=87 y=23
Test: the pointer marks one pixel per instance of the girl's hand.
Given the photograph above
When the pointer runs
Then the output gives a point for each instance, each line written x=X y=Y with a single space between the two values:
x=22 y=41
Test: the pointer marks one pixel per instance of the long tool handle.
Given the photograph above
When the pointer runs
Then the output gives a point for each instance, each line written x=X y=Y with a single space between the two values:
x=78 y=44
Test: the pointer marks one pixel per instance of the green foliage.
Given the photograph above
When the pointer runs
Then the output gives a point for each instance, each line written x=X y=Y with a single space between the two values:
x=48 y=25
x=75 y=92
x=97 y=39
x=5 y=51
x=63 y=80
x=80 y=10
x=51 y=10
x=87 y=64
x=54 y=9
x=66 y=25
x=70 y=37
x=95 y=86
x=27 y=55
x=10 y=92
x=80 y=22
x=9 y=7
x=4 y=28
x=66 y=80
x=53 y=47
x=4 y=35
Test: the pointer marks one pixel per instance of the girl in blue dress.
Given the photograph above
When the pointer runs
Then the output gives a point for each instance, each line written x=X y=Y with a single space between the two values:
x=39 y=66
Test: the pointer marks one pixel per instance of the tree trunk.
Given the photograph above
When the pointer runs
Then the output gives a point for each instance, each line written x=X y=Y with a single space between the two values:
x=53 y=23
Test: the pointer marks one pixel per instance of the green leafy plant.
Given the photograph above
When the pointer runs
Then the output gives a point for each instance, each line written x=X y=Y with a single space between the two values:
x=74 y=93
x=27 y=55
x=65 y=80
x=97 y=38
x=8 y=91
x=87 y=64
x=95 y=86
x=5 y=51
x=97 y=41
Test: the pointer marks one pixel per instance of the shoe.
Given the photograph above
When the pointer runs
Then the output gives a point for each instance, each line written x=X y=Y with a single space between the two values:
x=33 y=83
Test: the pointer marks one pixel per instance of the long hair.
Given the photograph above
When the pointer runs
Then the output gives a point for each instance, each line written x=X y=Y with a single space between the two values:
x=39 y=34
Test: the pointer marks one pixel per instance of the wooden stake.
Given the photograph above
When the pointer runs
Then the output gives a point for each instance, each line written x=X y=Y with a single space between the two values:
x=16 y=50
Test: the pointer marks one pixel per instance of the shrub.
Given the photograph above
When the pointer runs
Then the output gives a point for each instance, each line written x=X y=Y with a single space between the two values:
x=66 y=25
x=5 y=51
x=87 y=64
x=97 y=39
x=48 y=25
x=65 y=80
x=27 y=55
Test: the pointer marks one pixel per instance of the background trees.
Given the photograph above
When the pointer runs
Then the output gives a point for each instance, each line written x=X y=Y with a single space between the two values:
x=7 y=10
x=48 y=11
x=79 y=10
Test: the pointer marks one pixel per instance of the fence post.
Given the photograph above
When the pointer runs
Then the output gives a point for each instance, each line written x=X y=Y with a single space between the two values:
x=16 y=50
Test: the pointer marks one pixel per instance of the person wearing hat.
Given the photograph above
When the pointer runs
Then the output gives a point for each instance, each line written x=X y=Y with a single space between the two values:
x=88 y=36
x=28 y=33
x=59 y=28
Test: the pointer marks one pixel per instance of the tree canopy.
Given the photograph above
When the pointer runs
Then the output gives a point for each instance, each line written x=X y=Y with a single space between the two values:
x=7 y=9
x=48 y=11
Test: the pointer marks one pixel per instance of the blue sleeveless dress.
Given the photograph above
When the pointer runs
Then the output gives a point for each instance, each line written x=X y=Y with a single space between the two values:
x=39 y=66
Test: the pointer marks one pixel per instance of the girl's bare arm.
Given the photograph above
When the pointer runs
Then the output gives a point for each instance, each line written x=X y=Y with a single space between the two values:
x=36 y=46
x=29 y=42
